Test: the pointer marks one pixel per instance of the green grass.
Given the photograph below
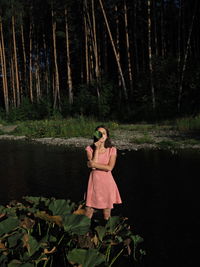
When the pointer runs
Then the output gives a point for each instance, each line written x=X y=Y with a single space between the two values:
x=189 y=124
x=65 y=128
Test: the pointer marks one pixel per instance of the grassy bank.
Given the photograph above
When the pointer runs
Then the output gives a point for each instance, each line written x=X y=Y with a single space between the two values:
x=177 y=133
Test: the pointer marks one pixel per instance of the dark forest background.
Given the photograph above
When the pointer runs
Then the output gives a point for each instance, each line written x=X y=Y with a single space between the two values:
x=117 y=59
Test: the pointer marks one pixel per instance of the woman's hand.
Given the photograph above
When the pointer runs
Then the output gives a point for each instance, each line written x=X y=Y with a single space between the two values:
x=97 y=144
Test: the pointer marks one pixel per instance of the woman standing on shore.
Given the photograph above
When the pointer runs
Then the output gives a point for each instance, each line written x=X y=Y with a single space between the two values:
x=102 y=191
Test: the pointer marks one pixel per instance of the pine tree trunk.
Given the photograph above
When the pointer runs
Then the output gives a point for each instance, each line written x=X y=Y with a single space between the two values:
x=16 y=63
x=163 y=44
x=57 y=86
x=30 y=62
x=4 y=69
x=150 y=55
x=46 y=71
x=128 y=47
x=155 y=28
x=185 y=59
x=86 y=51
x=12 y=79
x=114 y=50
x=24 y=57
x=69 y=72
x=117 y=44
x=97 y=72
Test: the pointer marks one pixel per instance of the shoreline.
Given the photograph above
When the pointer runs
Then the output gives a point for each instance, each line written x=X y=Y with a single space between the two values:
x=121 y=144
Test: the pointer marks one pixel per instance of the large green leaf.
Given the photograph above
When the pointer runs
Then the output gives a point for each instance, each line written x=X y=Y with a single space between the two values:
x=112 y=223
x=13 y=239
x=137 y=239
x=100 y=232
x=78 y=224
x=61 y=206
x=36 y=201
x=88 y=258
x=8 y=225
x=33 y=245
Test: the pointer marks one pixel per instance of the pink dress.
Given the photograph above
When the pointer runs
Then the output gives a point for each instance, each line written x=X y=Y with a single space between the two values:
x=102 y=191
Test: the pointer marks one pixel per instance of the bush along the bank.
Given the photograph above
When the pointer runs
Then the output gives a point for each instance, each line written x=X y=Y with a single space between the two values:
x=42 y=231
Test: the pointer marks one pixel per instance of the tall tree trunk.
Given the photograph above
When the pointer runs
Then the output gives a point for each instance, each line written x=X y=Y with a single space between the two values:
x=12 y=79
x=4 y=68
x=185 y=59
x=30 y=62
x=46 y=70
x=114 y=50
x=37 y=76
x=150 y=55
x=163 y=44
x=135 y=37
x=128 y=47
x=86 y=51
x=69 y=72
x=16 y=62
x=24 y=57
x=97 y=72
x=118 y=45
x=155 y=28
x=57 y=85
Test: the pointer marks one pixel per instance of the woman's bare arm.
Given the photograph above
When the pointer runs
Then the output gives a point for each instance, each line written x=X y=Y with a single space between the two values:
x=103 y=167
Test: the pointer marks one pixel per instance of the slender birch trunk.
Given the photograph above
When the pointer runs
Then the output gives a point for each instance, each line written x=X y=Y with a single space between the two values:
x=185 y=59
x=150 y=55
x=69 y=72
x=16 y=63
x=128 y=47
x=57 y=85
x=4 y=68
x=114 y=50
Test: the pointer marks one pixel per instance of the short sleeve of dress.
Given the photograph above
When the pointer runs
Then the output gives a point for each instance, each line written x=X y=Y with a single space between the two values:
x=113 y=151
x=89 y=149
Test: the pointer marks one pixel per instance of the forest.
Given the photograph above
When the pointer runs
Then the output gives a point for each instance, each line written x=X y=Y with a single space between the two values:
x=126 y=60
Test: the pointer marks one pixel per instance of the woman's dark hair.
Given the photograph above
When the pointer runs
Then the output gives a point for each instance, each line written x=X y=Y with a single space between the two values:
x=107 y=142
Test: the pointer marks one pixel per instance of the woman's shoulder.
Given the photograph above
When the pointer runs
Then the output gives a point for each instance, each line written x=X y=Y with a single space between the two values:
x=113 y=150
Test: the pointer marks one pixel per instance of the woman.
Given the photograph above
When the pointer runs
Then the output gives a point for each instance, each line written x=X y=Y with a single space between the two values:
x=102 y=191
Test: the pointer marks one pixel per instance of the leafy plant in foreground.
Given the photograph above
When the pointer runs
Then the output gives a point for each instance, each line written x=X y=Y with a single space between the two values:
x=55 y=232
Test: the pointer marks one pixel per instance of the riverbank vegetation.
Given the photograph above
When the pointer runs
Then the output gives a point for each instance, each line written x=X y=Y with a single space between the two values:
x=180 y=133
x=42 y=231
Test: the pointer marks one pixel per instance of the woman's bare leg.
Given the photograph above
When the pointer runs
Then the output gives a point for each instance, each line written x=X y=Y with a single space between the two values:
x=106 y=213
x=89 y=212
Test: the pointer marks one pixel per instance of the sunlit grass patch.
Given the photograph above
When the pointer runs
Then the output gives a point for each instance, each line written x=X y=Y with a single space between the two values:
x=65 y=128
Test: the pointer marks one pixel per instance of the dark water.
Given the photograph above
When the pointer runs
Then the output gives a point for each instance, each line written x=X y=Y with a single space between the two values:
x=159 y=190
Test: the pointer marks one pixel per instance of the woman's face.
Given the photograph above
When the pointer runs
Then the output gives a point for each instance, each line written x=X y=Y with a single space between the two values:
x=104 y=134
